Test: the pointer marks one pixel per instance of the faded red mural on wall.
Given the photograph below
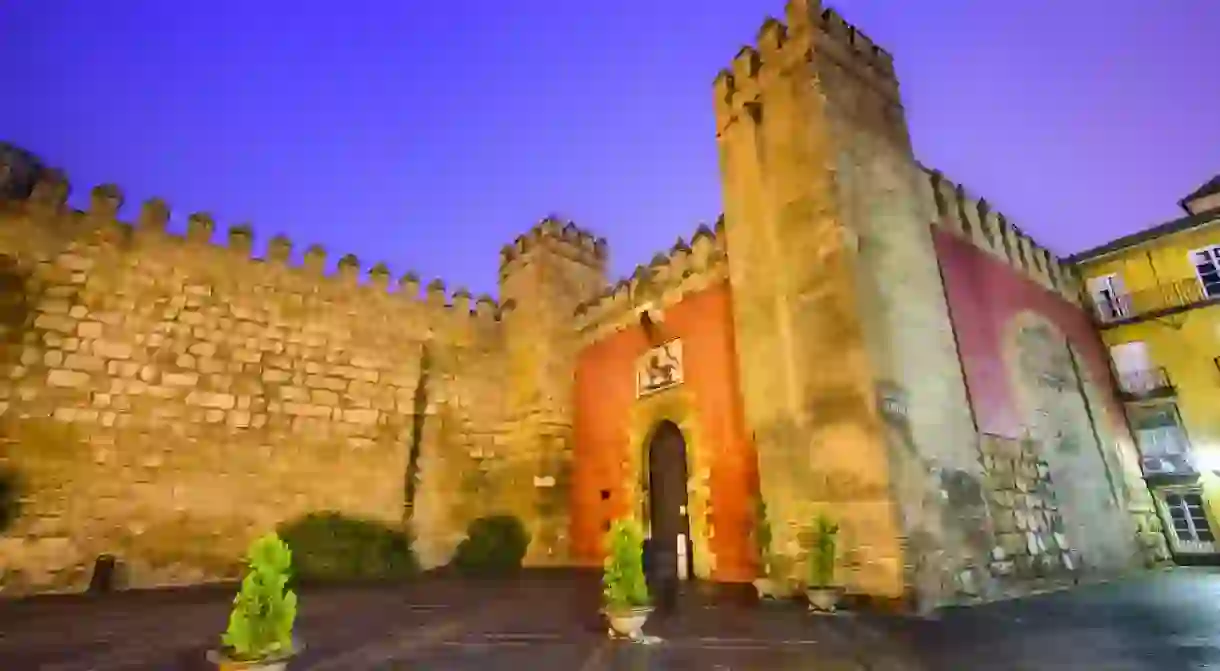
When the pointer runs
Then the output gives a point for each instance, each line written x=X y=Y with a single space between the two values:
x=990 y=305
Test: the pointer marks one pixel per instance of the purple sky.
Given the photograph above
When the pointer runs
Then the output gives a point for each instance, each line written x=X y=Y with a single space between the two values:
x=430 y=137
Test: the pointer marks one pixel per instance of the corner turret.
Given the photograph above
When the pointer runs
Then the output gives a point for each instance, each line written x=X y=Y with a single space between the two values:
x=544 y=275
x=823 y=214
x=562 y=239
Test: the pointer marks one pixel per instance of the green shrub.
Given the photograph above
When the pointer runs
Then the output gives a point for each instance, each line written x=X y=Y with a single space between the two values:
x=623 y=583
x=493 y=546
x=762 y=537
x=822 y=552
x=332 y=546
x=260 y=624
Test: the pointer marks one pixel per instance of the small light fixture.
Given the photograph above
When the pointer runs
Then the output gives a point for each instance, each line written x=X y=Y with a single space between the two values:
x=650 y=321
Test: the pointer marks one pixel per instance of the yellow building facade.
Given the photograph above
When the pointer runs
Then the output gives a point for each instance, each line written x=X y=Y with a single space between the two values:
x=1156 y=301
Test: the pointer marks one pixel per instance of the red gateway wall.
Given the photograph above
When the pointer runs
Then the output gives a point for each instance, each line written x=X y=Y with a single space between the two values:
x=605 y=395
x=984 y=294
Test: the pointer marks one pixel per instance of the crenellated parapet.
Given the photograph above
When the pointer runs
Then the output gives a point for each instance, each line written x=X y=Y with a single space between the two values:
x=809 y=31
x=685 y=268
x=975 y=220
x=564 y=239
x=47 y=203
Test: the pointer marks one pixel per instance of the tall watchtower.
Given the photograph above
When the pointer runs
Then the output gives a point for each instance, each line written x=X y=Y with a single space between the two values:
x=835 y=285
x=544 y=275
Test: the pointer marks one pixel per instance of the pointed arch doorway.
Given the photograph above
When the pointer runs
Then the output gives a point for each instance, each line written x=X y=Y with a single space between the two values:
x=665 y=484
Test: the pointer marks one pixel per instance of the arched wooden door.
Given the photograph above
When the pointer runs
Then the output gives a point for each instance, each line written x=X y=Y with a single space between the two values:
x=667 y=501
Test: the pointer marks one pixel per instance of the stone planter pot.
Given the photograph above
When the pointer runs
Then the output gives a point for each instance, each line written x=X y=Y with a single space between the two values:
x=823 y=599
x=628 y=622
x=766 y=588
x=277 y=663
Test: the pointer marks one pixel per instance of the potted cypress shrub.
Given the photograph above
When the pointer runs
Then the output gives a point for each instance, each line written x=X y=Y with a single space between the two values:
x=625 y=600
x=821 y=591
x=259 y=637
x=764 y=584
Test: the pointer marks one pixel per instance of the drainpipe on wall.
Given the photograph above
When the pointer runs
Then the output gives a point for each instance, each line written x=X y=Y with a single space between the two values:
x=1088 y=410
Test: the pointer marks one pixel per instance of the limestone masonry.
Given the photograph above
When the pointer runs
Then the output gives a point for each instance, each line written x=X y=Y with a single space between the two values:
x=857 y=337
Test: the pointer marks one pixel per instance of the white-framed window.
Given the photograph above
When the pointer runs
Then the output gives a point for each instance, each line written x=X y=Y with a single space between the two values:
x=1158 y=431
x=1189 y=528
x=1109 y=299
x=1133 y=366
x=1207 y=267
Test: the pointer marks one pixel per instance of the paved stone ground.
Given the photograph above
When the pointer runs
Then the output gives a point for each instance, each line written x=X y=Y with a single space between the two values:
x=1165 y=621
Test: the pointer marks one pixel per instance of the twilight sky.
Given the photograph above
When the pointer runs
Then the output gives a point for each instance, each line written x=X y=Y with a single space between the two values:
x=428 y=134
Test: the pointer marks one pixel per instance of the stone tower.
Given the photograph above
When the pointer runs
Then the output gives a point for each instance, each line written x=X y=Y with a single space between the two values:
x=544 y=275
x=837 y=296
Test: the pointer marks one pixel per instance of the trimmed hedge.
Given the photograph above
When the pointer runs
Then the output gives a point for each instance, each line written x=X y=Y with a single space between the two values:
x=494 y=546
x=330 y=546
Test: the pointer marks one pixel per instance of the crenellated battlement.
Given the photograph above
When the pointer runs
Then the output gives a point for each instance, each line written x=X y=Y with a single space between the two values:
x=975 y=220
x=49 y=199
x=809 y=30
x=561 y=237
x=669 y=276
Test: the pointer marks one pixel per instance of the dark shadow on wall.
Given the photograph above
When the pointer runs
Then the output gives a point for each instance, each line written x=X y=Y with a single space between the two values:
x=415 y=449
x=15 y=315
x=32 y=449
x=15 y=321
x=10 y=497
x=949 y=531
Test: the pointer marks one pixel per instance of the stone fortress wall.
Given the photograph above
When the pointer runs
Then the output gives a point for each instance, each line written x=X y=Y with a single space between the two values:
x=974 y=219
x=1098 y=514
x=165 y=398
x=1093 y=488
x=665 y=281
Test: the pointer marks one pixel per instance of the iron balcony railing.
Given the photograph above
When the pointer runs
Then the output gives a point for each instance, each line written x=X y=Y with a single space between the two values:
x=1159 y=299
x=1138 y=384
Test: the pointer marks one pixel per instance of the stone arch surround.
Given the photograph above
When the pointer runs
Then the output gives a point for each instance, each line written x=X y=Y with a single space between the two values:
x=673 y=405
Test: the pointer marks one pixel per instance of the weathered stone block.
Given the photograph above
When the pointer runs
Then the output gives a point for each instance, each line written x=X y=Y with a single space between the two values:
x=83 y=362
x=1004 y=523
x=202 y=349
x=307 y=410
x=180 y=379
x=1011 y=543
x=67 y=378
x=112 y=350
x=324 y=397
x=360 y=416
x=212 y=400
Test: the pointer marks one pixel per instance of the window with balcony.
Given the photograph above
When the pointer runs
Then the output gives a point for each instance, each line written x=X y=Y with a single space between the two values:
x=1138 y=378
x=1109 y=301
x=1191 y=530
x=1207 y=266
x=1163 y=446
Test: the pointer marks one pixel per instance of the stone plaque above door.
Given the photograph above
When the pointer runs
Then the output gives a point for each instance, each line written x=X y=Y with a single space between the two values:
x=659 y=368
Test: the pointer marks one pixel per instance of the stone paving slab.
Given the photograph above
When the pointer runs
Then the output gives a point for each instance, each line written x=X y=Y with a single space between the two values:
x=1166 y=622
